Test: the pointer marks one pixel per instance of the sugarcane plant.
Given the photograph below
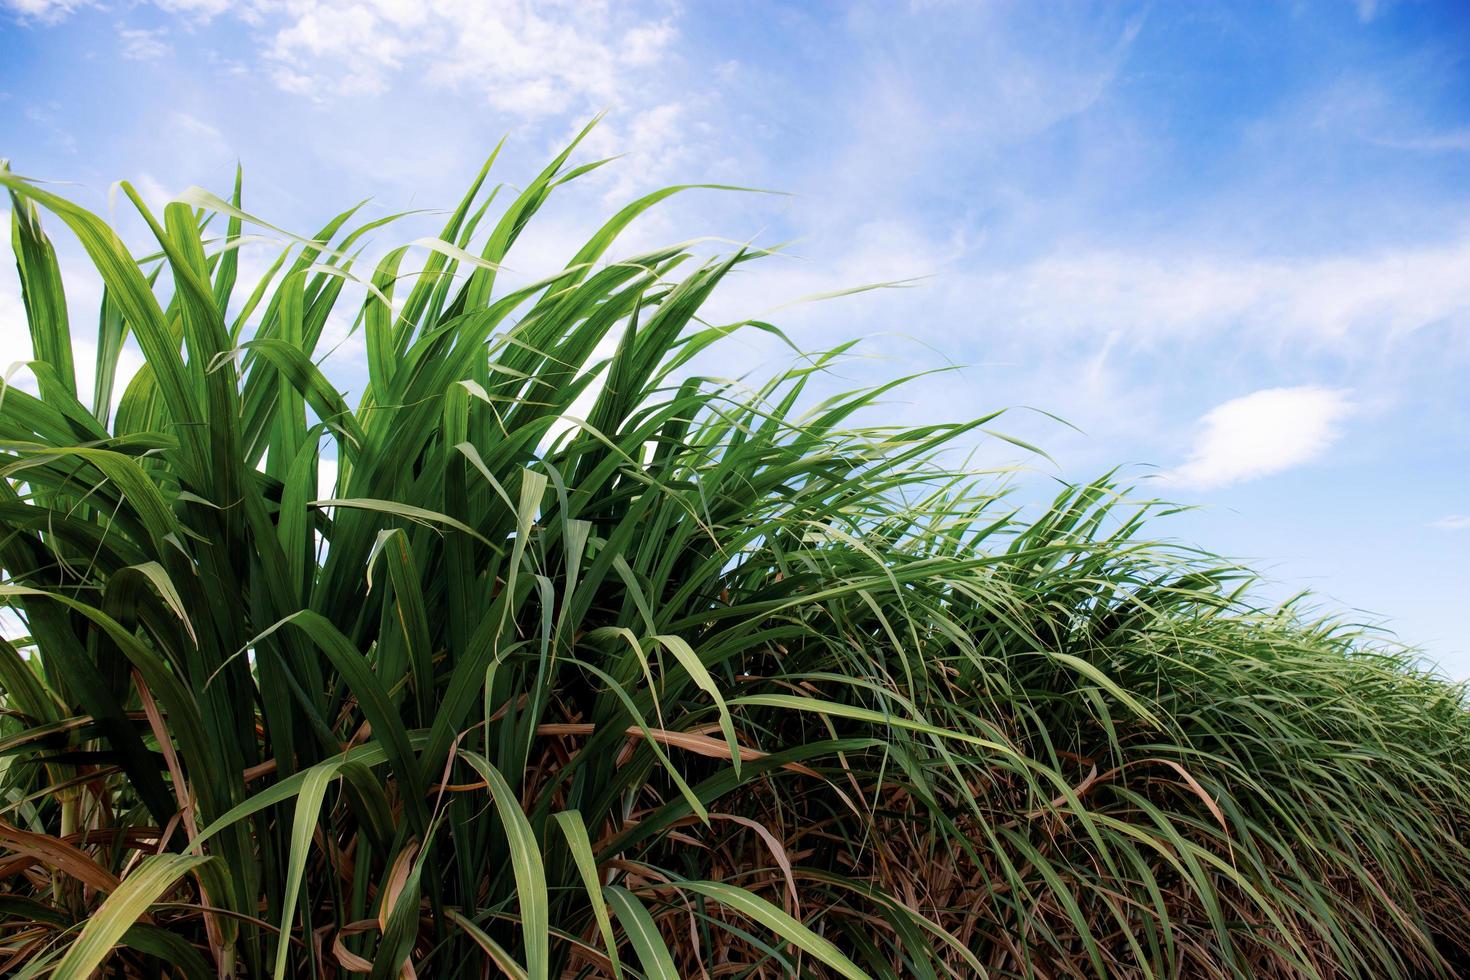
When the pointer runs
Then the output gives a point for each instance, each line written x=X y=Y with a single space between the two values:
x=553 y=656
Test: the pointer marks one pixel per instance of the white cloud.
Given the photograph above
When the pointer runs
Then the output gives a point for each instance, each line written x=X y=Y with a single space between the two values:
x=1320 y=298
x=1352 y=306
x=530 y=59
x=45 y=120
x=154 y=194
x=196 y=127
x=144 y=45
x=546 y=63
x=45 y=11
x=1430 y=141
x=200 y=8
x=326 y=477
x=873 y=252
x=1262 y=433
x=645 y=44
x=1453 y=522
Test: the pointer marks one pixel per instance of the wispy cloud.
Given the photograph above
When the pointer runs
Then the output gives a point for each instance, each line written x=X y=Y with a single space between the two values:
x=153 y=191
x=1321 y=298
x=144 y=45
x=202 y=8
x=547 y=65
x=531 y=59
x=528 y=59
x=198 y=130
x=45 y=11
x=1262 y=433
x=1453 y=522
x=45 y=120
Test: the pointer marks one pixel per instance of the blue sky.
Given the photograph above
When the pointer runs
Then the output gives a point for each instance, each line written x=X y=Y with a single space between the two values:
x=1229 y=243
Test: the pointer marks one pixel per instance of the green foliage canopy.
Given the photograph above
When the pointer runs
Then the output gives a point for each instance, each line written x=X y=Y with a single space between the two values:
x=713 y=678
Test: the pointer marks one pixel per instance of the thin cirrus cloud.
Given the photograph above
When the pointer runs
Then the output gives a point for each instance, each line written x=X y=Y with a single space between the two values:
x=1453 y=522
x=44 y=11
x=1323 y=298
x=1262 y=433
x=144 y=45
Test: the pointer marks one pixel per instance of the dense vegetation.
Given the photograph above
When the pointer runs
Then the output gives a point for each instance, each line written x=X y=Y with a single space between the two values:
x=716 y=679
